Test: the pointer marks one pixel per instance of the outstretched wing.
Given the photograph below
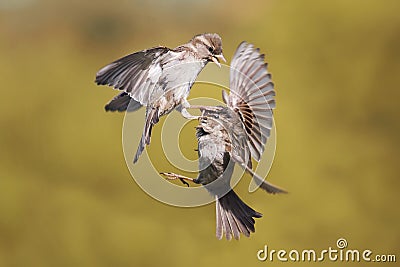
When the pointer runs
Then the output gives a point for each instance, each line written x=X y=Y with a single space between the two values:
x=135 y=74
x=252 y=96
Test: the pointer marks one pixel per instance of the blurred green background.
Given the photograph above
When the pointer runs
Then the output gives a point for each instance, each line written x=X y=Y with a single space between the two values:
x=66 y=195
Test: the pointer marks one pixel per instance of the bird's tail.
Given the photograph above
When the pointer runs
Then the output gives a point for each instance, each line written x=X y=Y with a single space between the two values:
x=234 y=217
x=152 y=118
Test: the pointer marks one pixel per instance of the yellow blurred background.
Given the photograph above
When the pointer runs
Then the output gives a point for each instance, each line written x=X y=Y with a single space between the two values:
x=67 y=197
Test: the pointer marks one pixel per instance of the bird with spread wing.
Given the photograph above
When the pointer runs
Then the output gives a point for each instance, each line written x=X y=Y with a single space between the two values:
x=235 y=134
x=159 y=78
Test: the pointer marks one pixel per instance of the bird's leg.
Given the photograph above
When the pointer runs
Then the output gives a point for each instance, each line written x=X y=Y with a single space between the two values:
x=174 y=176
x=183 y=110
x=186 y=105
x=187 y=115
x=201 y=107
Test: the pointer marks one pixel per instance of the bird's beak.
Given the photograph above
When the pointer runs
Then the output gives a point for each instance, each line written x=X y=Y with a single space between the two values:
x=216 y=61
x=221 y=57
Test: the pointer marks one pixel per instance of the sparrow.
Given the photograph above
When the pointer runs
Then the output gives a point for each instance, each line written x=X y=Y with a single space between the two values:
x=159 y=78
x=234 y=134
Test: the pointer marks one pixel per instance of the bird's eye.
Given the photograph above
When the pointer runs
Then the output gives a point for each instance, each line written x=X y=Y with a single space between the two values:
x=210 y=49
x=216 y=116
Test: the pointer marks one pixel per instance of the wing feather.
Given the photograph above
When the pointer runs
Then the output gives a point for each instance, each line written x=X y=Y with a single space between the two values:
x=268 y=187
x=252 y=96
x=135 y=74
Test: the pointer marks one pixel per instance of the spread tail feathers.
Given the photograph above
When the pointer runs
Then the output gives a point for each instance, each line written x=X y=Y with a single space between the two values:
x=234 y=217
x=152 y=118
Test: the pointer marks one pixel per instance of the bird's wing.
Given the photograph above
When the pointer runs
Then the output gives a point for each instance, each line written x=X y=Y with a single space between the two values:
x=252 y=95
x=122 y=102
x=239 y=144
x=227 y=125
x=268 y=187
x=136 y=74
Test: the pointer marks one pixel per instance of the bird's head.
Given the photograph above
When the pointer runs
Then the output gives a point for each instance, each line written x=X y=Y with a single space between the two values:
x=209 y=47
x=215 y=121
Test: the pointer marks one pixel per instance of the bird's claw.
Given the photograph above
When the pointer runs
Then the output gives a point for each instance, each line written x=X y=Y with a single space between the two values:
x=184 y=182
x=174 y=176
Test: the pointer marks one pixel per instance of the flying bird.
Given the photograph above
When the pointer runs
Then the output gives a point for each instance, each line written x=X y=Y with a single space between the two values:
x=159 y=78
x=233 y=134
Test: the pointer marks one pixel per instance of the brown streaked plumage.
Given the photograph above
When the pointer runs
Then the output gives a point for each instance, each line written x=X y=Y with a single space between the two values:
x=235 y=134
x=159 y=78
